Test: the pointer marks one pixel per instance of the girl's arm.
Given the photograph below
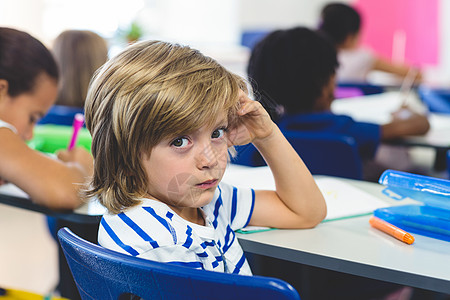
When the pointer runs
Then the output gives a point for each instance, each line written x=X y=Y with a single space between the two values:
x=297 y=201
x=48 y=181
x=396 y=69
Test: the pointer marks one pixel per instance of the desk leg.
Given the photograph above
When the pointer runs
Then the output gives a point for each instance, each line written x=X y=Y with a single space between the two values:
x=440 y=160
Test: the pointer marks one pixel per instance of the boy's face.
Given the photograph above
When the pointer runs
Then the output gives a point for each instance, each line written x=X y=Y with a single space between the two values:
x=184 y=172
x=25 y=110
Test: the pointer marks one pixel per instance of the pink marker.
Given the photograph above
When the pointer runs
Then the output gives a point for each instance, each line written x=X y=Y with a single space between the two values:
x=78 y=121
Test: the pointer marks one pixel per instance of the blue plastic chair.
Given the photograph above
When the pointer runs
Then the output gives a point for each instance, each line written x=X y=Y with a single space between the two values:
x=323 y=153
x=437 y=100
x=100 y=273
x=61 y=115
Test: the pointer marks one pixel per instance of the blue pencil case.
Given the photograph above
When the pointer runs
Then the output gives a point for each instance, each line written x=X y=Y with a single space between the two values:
x=430 y=219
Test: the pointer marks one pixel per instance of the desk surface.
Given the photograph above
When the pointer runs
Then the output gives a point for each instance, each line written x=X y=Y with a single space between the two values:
x=378 y=108
x=88 y=213
x=352 y=246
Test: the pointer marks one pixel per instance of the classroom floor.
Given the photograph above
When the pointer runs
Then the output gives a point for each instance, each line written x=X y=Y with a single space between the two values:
x=28 y=254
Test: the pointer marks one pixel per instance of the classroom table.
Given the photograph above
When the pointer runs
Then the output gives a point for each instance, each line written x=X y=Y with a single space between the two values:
x=347 y=245
x=351 y=246
x=378 y=108
x=89 y=213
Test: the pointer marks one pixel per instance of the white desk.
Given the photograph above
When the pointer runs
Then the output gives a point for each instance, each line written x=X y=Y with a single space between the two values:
x=352 y=246
x=89 y=213
x=378 y=108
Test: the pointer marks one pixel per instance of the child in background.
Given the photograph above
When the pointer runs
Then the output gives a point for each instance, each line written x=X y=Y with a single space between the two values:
x=342 y=23
x=78 y=53
x=296 y=68
x=28 y=88
x=162 y=117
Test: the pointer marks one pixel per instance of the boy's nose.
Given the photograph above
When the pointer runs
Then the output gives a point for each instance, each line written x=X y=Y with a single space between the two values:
x=206 y=157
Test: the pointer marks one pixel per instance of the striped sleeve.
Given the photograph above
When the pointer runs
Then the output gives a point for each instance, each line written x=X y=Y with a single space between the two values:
x=239 y=203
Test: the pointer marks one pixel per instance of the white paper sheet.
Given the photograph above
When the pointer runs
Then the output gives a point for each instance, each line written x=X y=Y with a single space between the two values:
x=343 y=200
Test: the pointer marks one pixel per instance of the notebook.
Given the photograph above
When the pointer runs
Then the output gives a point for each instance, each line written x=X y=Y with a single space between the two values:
x=343 y=199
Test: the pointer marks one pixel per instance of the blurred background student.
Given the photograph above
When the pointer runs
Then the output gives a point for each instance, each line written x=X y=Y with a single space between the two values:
x=28 y=88
x=342 y=23
x=296 y=69
x=78 y=53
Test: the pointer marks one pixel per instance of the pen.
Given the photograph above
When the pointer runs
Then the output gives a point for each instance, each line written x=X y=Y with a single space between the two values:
x=407 y=85
x=392 y=230
x=78 y=121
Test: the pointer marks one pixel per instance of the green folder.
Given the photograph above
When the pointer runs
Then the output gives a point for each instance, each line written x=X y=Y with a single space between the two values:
x=49 y=138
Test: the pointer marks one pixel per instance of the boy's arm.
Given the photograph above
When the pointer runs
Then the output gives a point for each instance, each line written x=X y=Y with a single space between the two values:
x=297 y=201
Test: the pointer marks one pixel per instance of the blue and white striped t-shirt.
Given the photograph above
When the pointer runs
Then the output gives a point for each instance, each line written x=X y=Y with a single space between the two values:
x=154 y=231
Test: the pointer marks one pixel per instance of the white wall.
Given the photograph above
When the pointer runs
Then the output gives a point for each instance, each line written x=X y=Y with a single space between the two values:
x=268 y=14
x=25 y=15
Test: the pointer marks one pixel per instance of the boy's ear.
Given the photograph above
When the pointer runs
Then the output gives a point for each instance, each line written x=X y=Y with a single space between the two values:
x=4 y=86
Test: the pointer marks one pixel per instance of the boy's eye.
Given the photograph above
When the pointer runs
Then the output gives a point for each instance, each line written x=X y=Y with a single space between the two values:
x=180 y=142
x=218 y=133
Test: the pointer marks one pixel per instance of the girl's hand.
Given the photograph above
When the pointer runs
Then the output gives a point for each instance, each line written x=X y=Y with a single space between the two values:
x=253 y=123
x=79 y=156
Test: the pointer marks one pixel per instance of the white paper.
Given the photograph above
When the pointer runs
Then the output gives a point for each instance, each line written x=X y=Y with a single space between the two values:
x=343 y=199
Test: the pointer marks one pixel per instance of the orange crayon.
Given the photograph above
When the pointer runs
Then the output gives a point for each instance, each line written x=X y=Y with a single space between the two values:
x=392 y=230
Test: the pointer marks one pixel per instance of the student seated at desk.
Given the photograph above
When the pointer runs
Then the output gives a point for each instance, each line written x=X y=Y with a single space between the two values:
x=28 y=88
x=162 y=118
x=78 y=53
x=342 y=23
x=296 y=69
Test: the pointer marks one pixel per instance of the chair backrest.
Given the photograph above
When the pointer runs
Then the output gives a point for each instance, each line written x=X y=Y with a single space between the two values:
x=100 y=273
x=323 y=153
x=60 y=115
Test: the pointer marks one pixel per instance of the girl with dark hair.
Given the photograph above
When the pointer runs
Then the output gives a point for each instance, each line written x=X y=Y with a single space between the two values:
x=342 y=23
x=28 y=88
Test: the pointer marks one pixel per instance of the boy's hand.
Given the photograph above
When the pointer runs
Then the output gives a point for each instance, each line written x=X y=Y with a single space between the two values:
x=253 y=123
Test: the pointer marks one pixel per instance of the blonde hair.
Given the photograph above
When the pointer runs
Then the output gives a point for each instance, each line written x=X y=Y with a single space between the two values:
x=79 y=53
x=151 y=91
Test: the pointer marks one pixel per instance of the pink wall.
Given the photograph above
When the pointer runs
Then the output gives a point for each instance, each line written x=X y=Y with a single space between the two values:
x=417 y=19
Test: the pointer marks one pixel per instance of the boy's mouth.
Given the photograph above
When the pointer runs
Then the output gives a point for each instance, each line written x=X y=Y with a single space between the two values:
x=207 y=184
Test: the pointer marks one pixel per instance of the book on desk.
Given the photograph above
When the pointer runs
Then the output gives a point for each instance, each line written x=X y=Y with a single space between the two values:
x=343 y=199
